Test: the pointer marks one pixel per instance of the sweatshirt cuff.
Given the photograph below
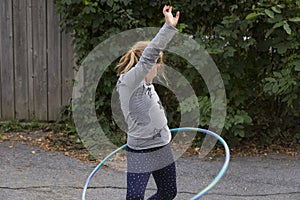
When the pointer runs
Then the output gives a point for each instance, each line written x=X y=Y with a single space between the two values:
x=170 y=27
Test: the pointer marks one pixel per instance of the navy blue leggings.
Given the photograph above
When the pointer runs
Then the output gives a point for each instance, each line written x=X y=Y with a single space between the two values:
x=165 y=177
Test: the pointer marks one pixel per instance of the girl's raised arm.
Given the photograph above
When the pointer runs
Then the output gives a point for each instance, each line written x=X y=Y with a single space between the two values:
x=151 y=53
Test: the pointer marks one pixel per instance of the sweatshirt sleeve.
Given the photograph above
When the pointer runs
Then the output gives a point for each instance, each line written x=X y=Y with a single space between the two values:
x=149 y=56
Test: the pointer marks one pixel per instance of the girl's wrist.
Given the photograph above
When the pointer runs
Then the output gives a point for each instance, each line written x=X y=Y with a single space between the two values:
x=170 y=26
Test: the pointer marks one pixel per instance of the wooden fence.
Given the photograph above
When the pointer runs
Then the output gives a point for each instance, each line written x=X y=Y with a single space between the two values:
x=36 y=61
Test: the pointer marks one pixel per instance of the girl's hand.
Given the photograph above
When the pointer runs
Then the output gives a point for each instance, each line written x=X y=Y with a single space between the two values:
x=170 y=19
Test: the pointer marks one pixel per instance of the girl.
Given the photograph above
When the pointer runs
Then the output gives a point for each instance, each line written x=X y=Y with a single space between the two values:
x=148 y=150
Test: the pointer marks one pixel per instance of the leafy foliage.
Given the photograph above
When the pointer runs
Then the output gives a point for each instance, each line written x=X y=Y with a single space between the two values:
x=255 y=44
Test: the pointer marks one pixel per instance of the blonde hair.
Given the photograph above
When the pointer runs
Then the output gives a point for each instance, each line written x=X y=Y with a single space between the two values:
x=131 y=58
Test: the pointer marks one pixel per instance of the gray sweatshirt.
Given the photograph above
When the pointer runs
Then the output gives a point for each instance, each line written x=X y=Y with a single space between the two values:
x=140 y=104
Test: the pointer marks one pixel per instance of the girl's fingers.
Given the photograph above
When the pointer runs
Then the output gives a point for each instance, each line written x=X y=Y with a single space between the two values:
x=165 y=9
x=170 y=9
x=177 y=15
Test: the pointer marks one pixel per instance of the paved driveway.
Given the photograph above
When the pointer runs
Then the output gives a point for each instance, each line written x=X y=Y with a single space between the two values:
x=28 y=173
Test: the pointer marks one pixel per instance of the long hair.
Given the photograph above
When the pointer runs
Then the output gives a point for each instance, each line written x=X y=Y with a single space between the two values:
x=131 y=58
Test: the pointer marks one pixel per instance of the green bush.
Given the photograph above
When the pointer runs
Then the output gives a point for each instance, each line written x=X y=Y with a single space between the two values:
x=255 y=44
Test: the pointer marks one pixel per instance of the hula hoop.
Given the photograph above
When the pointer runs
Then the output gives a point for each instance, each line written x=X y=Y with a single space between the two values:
x=201 y=193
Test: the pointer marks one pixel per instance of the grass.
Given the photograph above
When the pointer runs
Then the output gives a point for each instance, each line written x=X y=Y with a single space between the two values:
x=17 y=126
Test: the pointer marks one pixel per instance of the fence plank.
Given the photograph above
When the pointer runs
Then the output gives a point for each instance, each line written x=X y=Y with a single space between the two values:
x=30 y=61
x=54 y=62
x=20 y=59
x=0 y=73
x=67 y=68
x=1 y=67
x=39 y=59
x=6 y=53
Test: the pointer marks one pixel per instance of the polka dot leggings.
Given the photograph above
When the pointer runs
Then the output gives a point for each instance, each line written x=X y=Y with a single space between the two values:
x=165 y=177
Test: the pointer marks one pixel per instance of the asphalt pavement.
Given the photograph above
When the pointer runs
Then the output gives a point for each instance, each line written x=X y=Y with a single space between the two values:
x=29 y=173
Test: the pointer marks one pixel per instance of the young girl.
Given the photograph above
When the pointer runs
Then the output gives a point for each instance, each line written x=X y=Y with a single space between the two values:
x=148 y=149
